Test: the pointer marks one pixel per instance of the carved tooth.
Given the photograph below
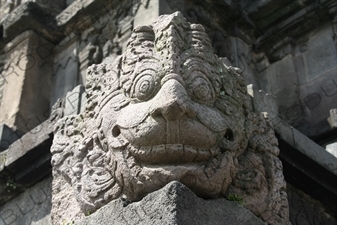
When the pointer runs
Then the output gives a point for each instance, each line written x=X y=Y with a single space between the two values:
x=145 y=150
x=189 y=153
x=203 y=155
x=175 y=148
x=133 y=149
x=143 y=153
x=158 y=149
x=159 y=154
x=175 y=152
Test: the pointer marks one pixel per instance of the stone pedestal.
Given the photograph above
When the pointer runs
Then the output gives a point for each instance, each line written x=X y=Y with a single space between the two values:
x=174 y=204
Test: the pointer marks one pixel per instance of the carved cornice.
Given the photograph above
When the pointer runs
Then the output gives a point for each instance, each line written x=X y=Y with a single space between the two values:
x=305 y=19
x=29 y=16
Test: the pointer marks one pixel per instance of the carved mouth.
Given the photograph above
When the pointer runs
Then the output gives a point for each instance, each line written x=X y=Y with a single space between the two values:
x=172 y=154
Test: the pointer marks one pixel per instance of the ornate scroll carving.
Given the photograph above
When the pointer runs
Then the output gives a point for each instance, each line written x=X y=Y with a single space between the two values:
x=169 y=109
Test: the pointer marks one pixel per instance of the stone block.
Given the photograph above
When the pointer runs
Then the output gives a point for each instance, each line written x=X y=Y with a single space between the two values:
x=3 y=156
x=314 y=151
x=28 y=77
x=267 y=103
x=83 y=102
x=333 y=118
x=278 y=76
x=174 y=204
x=317 y=98
x=306 y=146
x=26 y=150
x=263 y=102
x=149 y=11
x=304 y=209
x=284 y=130
x=262 y=65
x=65 y=71
x=321 y=55
x=332 y=149
x=73 y=101
x=7 y=137
x=300 y=68
x=30 y=207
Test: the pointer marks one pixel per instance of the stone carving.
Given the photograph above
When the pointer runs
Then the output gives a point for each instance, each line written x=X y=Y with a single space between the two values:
x=169 y=109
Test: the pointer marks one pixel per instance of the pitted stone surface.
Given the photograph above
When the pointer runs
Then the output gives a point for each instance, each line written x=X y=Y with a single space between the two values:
x=174 y=204
x=169 y=109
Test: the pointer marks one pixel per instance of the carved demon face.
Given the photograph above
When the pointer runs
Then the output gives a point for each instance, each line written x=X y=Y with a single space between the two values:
x=172 y=117
x=167 y=109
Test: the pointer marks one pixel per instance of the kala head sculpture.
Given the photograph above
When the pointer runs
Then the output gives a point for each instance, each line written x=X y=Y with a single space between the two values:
x=169 y=109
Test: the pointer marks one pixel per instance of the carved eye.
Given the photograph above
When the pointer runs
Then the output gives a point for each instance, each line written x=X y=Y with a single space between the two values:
x=144 y=87
x=201 y=90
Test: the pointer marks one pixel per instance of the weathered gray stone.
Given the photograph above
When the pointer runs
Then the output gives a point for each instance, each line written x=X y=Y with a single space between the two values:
x=91 y=54
x=266 y=103
x=320 y=57
x=27 y=145
x=148 y=11
x=29 y=157
x=174 y=204
x=27 y=88
x=332 y=119
x=3 y=156
x=332 y=149
x=318 y=96
x=306 y=210
x=63 y=200
x=303 y=81
x=65 y=71
x=73 y=101
x=169 y=109
x=314 y=151
x=275 y=83
x=7 y=137
x=263 y=102
x=41 y=20
x=31 y=207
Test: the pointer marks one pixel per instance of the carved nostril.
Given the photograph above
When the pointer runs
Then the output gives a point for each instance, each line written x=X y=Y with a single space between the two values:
x=229 y=135
x=170 y=111
x=172 y=101
x=116 y=131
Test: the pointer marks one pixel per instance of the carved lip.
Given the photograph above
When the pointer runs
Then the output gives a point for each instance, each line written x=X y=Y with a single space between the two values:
x=172 y=154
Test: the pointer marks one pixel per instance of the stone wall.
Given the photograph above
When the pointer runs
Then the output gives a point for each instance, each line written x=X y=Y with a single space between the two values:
x=304 y=81
x=30 y=207
x=306 y=210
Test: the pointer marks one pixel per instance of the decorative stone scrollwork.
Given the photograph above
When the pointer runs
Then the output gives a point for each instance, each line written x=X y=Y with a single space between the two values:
x=169 y=109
